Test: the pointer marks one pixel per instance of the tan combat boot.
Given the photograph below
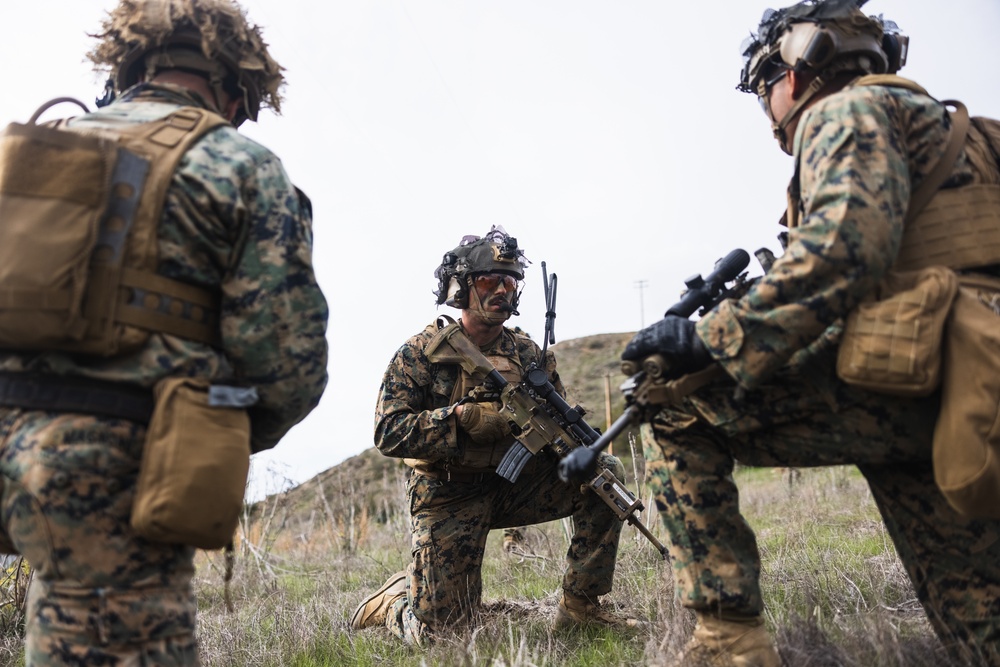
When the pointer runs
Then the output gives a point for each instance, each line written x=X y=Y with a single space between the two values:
x=576 y=611
x=514 y=544
x=730 y=642
x=374 y=608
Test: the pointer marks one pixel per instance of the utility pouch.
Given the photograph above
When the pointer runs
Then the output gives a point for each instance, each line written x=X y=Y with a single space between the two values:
x=893 y=345
x=193 y=475
x=966 y=450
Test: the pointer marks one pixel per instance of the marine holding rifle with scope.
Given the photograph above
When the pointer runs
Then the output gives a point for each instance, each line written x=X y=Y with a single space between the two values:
x=863 y=146
x=454 y=447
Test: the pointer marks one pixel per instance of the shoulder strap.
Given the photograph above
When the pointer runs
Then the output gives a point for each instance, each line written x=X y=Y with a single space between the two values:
x=939 y=174
x=149 y=154
x=890 y=80
x=956 y=140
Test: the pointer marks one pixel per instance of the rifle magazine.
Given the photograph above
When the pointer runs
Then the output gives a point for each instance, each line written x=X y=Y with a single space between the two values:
x=513 y=461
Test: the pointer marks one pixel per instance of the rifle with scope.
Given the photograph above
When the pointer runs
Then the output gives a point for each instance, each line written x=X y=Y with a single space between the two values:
x=539 y=417
x=653 y=382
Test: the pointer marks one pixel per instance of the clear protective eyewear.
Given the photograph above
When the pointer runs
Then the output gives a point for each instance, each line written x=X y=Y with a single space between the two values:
x=778 y=75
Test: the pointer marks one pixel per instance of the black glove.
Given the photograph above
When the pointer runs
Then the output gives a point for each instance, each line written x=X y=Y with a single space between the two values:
x=674 y=337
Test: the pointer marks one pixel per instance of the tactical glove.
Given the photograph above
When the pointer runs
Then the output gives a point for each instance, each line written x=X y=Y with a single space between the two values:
x=483 y=423
x=675 y=338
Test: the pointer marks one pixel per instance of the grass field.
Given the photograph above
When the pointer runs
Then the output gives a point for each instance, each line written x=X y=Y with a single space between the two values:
x=834 y=590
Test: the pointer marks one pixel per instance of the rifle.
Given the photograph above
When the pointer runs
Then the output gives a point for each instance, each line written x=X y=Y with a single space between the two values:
x=651 y=382
x=538 y=416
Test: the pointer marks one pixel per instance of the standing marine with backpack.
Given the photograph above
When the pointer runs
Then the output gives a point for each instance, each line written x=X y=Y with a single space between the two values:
x=159 y=320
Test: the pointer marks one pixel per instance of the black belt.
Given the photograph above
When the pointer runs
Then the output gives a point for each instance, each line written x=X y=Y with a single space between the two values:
x=67 y=393
x=445 y=475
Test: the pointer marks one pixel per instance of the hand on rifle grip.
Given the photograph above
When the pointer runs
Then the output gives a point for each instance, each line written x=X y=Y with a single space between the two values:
x=483 y=423
x=676 y=339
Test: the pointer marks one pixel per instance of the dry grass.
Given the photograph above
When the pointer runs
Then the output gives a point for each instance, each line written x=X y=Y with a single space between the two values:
x=834 y=589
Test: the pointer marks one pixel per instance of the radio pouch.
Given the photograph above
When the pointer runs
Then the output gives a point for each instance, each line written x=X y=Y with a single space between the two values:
x=966 y=449
x=193 y=475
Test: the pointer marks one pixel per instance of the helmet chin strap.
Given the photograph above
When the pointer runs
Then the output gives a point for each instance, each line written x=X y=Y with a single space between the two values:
x=780 y=128
x=476 y=306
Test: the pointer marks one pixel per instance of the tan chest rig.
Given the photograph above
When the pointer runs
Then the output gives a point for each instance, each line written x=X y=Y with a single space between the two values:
x=955 y=227
x=79 y=212
x=477 y=457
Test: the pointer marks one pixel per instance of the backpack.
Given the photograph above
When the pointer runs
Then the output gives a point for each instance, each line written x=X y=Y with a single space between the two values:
x=79 y=212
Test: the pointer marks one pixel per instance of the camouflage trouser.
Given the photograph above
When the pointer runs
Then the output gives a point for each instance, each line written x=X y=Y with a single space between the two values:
x=450 y=522
x=953 y=561
x=100 y=594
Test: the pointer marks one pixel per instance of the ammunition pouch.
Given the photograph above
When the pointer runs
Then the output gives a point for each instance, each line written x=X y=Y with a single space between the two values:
x=893 y=345
x=193 y=475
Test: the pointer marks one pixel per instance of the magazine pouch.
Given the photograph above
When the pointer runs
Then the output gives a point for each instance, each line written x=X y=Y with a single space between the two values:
x=893 y=345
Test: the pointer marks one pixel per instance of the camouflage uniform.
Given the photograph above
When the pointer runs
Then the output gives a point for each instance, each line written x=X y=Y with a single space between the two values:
x=101 y=594
x=858 y=154
x=450 y=520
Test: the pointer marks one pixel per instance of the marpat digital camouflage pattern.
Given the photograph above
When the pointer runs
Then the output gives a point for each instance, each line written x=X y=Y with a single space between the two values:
x=233 y=221
x=450 y=520
x=859 y=153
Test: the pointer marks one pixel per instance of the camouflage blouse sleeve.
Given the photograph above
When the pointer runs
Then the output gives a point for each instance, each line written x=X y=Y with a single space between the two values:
x=412 y=417
x=273 y=313
x=853 y=168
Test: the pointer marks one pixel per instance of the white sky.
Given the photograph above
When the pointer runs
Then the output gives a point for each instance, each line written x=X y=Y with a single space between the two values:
x=607 y=136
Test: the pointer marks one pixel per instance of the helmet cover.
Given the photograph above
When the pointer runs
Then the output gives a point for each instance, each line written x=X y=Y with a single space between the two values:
x=211 y=37
x=497 y=252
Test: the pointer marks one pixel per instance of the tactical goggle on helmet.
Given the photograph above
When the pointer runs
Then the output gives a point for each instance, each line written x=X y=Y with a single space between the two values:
x=495 y=253
x=824 y=36
x=211 y=38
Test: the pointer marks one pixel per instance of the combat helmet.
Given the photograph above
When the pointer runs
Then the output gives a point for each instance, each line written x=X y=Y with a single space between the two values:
x=497 y=252
x=212 y=38
x=825 y=37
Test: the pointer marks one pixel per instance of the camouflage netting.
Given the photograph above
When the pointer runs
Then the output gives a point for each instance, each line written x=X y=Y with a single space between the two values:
x=225 y=34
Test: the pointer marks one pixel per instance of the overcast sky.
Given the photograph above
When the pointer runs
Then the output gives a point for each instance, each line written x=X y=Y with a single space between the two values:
x=607 y=136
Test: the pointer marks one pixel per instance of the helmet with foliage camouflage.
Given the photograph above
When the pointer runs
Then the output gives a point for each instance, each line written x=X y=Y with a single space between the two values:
x=497 y=252
x=824 y=36
x=212 y=38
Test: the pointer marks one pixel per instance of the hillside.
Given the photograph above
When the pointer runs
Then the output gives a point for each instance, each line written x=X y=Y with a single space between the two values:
x=590 y=367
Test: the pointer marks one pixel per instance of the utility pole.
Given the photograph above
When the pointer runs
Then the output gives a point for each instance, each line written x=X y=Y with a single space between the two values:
x=607 y=407
x=641 y=285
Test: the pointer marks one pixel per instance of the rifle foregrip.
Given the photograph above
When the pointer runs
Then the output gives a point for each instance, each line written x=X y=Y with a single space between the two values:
x=578 y=465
